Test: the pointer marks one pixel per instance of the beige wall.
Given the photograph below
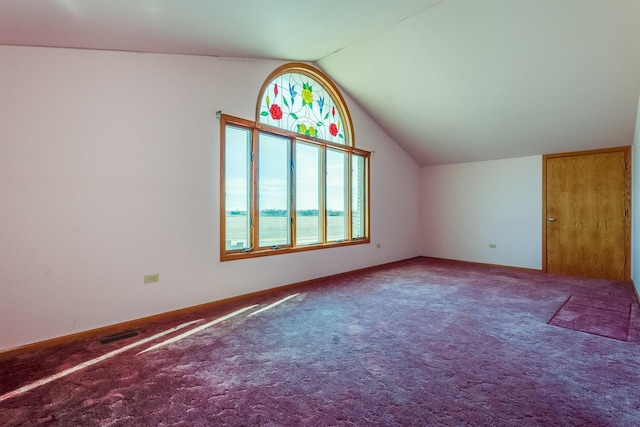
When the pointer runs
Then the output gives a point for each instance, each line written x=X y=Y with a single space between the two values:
x=109 y=170
x=467 y=207
x=635 y=205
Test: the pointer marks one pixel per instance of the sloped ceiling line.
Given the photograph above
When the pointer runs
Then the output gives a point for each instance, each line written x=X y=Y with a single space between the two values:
x=451 y=81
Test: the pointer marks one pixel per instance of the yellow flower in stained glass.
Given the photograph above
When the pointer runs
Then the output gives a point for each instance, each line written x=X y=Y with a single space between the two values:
x=312 y=131
x=307 y=94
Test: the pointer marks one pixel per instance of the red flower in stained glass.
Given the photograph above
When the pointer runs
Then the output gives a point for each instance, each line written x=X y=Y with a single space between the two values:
x=275 y=89
x=333 y=129
x=276 y=112
x=333 y=111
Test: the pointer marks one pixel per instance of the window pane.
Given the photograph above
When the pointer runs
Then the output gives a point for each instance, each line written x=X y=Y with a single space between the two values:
x=237 y=179
x=307 y=194
x=336 y=195
x=357 y=197
x=273 y=190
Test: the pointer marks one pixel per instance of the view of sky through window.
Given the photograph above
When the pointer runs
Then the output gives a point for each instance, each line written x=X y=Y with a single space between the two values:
x=293 y=179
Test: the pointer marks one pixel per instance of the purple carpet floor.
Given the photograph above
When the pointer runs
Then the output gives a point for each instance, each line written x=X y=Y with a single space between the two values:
x=422 y=342
x=596 y=314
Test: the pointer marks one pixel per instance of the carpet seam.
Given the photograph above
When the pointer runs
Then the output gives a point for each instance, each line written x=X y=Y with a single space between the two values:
x=603 y=308
x=629 y=323
x=558 y=311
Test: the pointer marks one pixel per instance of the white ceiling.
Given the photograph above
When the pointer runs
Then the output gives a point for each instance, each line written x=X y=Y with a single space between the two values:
x=450 y=80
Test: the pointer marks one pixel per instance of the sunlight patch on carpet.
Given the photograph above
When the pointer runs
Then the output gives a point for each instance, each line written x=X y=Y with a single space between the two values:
x=198 y=329
x=76 y=368
x=605 y=316
x=273 y=305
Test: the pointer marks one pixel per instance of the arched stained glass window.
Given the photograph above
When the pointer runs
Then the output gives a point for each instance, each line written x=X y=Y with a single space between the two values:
x=293 y=179
x=300 y=99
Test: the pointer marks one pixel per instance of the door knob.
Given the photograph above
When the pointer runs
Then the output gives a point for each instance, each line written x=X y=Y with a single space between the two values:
x=551 y=219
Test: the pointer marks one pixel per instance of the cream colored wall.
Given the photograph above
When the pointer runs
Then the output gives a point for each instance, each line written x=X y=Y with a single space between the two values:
x=467 y=207
x=109 y=170
x=635 y=205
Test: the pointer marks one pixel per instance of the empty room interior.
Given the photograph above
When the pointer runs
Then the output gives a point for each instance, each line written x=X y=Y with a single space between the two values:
x=418 y=212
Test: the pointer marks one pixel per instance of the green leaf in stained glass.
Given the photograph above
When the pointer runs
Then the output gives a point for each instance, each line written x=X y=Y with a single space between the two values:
x=320 y=124
x=268 y=102
x=326 y=116
x=341 y=136
x=285 y=101
x=264 y=113
x=293 y=115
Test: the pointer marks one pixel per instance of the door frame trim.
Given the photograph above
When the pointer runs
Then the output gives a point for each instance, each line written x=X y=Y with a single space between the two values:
x=627 y=201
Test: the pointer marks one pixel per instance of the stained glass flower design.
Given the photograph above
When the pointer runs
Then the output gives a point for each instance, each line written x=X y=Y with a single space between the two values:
x=307 y=95
x=301 y=104
x=275 y=111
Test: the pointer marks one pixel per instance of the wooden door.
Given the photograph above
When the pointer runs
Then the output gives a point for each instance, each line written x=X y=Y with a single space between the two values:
x=587 y=214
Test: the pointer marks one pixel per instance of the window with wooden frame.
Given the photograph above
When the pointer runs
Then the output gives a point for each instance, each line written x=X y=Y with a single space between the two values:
x=292 y=180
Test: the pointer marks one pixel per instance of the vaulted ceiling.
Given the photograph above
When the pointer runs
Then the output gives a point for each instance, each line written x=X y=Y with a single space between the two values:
x=450 y=80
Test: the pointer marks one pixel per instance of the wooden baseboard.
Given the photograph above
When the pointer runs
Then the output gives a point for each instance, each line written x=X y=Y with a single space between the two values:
x=135 y=323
